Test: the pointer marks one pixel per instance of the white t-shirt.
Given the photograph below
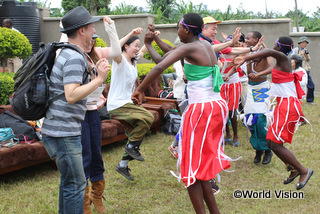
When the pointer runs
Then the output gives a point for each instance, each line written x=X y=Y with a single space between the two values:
x=123 y=77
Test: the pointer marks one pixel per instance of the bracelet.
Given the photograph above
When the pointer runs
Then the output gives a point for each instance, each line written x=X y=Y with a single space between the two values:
x=251 y=48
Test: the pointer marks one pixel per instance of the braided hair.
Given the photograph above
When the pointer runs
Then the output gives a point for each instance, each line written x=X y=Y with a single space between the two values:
x=194 y=22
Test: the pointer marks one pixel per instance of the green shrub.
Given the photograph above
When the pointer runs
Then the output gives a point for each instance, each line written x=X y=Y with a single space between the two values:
x=14 y=44
x=6 y=87
x=143 y=69
x=100 y=43
x=157 y=48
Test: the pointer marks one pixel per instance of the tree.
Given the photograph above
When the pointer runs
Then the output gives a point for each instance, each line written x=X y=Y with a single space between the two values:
x=68 y=5
x=161 y=7
x=94 y=6
x=56 y=12
x=182 y=8
x=124 y=9
x=13 y=44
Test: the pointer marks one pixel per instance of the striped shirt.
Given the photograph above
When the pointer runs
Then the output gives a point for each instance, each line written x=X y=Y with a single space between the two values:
x=64 y=119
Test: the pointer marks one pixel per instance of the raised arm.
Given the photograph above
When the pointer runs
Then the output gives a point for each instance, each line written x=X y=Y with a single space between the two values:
x=240 y=50
x=134 y=32
x=175 y=55
x=235 y=37
x=164 y=46
x=115 y=49
x=148 y=38
x=109 y=26
x=282 y=64
x=143 y=51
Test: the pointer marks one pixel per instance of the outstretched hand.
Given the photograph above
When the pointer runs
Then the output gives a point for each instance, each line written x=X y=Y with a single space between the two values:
x=107 y=19
x=239 y=60
x=224 y=35
x=257 y=46
x=136 y=97
x=136 y=31
x=236 y=36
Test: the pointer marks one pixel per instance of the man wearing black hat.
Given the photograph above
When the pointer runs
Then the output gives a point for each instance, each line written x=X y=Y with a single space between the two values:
x=62 y=125
x=305 y=55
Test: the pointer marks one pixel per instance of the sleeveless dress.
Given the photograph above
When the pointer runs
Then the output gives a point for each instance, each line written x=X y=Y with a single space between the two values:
x=203 y=122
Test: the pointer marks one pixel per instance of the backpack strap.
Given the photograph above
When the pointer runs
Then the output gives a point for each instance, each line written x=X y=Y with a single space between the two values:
x=86 y=73
x=73 y=47
x=27 y=69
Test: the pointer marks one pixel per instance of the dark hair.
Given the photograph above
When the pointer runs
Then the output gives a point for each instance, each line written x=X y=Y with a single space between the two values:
x=128 y=42
x=195 y=21
x=73 y=33
x=93 y=55
x=297 y=59
x=256 y=34
x=242 y=38
x=286 y=44
x=8 y=22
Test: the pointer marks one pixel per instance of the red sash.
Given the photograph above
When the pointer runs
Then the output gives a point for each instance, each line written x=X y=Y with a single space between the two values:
x=282 y=77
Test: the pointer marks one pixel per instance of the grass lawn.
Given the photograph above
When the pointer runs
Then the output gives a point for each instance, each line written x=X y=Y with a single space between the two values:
x=155 y=190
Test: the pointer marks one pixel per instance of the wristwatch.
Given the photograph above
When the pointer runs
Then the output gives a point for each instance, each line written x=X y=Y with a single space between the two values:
x=251 y=48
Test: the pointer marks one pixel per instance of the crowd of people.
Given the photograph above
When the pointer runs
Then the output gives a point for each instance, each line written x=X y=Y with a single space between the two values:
x=211 y=69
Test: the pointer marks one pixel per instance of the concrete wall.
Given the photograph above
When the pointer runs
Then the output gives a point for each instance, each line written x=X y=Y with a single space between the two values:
x=270 y=28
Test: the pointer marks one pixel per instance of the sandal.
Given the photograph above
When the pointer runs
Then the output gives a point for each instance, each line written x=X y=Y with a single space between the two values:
x=228 y=140
x=236 y=144
x=289 y=179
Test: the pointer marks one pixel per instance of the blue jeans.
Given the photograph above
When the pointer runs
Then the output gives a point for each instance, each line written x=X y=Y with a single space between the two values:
x=310 y=86
x=67 y=153
x=91 y=146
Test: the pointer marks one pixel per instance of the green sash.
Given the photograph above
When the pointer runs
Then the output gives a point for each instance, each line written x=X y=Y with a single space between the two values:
x=196 y=72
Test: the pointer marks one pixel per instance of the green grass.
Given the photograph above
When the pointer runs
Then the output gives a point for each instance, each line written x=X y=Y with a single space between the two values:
x=155 y=190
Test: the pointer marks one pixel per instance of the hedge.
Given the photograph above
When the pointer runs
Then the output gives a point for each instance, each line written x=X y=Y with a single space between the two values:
x=6 y=80
x=6 y=87
x=143 y=68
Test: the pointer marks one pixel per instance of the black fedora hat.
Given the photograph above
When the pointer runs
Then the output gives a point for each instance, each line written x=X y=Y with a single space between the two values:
x=76 y=18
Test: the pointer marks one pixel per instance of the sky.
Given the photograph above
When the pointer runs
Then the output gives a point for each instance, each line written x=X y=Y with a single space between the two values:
x=281 y=6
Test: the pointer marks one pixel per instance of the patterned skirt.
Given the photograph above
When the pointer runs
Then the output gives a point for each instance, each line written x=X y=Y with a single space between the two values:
x=201 y=155
x=285 y=117
x=231 y=94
